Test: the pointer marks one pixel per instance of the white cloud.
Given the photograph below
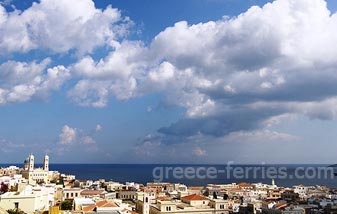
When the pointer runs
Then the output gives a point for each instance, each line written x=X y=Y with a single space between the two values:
x=161 y=76
x=149 y=109
x=234 y=75
x=87 y=140
x=61 y=26
x=256 y=47
x=124 y=61
x=98 y=128
x=15 y=73
x=75 y=136
x=259 y=136
x=6 y=2
x=199 y=151
x=276 y=55
x=148 y=148
x=22 y=81
x=54 y=79
x=90 y=93
x=116 y=75
x=68 y=135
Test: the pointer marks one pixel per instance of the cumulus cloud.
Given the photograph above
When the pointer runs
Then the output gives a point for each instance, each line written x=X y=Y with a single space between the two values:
x=55 y=30
x=264 y=47
x=68 y=135
x=147 y=148
x=60 y=27
x=115 y=75
x=231 y=75
x=90 y=93
x=199 y=151
x=98 y=128
x=74 y=136
x=87 y=140
x=242 y=72
x=239 y=75
x=234 y=75
x=21 y=81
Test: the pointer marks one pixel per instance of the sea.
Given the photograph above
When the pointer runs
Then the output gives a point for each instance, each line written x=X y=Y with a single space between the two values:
x=201 y=175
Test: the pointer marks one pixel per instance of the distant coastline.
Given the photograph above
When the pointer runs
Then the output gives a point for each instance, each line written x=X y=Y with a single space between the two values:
x=143 y=173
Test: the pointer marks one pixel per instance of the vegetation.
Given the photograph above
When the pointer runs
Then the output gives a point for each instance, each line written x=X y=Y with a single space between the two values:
x=215 y=195
x=67 y=205
x=15 y=211
x=3 y=188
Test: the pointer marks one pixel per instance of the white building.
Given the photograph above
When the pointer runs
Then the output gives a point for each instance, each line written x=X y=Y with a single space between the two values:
x=71 y=193
x=12 y=181
x=29 y=200
x=301 y=190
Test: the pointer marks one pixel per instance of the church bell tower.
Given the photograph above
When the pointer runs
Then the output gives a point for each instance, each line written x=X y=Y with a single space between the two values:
x=46 y=163
x=31 y=162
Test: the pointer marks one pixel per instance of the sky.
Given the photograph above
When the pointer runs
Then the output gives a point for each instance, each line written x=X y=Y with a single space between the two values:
x=168 y=81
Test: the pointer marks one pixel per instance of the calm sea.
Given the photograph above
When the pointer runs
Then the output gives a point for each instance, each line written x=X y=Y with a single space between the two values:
x=284 y=175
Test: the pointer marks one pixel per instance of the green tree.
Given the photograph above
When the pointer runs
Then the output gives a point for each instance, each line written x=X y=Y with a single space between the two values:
x=66 y=205
x=15 y=211
x=215 y=195
x=3 y=188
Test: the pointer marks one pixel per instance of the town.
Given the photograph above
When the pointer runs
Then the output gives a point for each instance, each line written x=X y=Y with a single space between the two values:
x=30 y=190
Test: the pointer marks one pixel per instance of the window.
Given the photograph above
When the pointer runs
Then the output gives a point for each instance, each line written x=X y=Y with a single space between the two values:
x=168 y=208
x=222 y=206
x=16 y=205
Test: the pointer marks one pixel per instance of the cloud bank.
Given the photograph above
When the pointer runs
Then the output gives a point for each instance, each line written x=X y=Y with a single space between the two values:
x=233 y=75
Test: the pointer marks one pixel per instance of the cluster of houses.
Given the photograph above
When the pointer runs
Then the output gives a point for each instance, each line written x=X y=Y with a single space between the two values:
x=39 y=190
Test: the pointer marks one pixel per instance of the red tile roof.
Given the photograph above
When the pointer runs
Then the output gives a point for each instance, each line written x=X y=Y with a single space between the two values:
x=243 y=184
x=101 y=203
x=106 y=203
x=279 y=205
x=89 y=208
x=194 y=197
x=163 y=199
x=195 y=188
x=110 y=204
x=91 y=192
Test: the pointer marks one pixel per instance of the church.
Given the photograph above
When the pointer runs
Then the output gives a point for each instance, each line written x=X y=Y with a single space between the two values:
x=36 y=175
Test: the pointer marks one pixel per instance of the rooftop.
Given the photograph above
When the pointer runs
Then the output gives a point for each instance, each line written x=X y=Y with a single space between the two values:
x=92 y=192
x=194 y=197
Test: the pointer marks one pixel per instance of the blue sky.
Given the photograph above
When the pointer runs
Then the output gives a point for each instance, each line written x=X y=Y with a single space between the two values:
x=192 y=81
